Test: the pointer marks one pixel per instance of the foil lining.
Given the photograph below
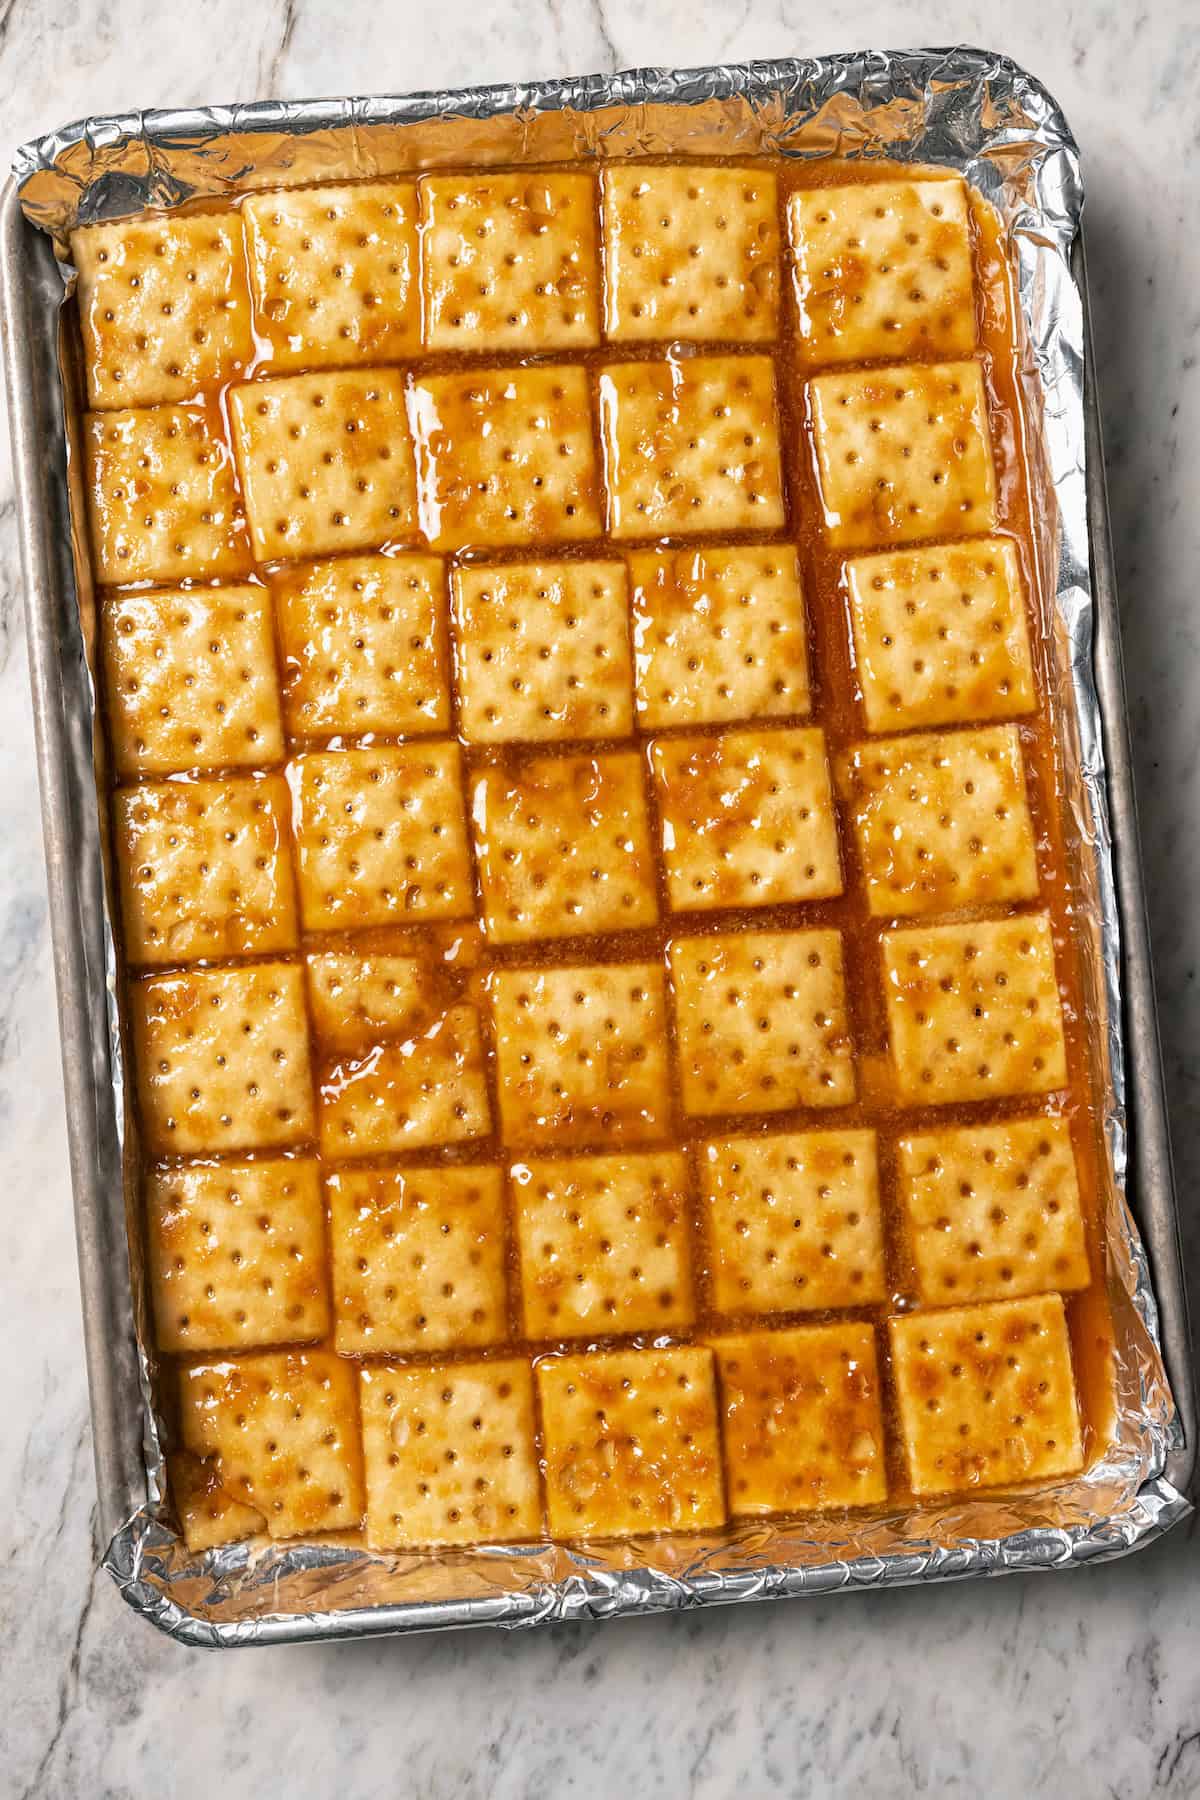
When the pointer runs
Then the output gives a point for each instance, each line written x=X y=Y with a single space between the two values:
x=966 y=109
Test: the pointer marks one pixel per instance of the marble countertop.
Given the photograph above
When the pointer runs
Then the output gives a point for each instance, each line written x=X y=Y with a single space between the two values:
x=1084 y=1685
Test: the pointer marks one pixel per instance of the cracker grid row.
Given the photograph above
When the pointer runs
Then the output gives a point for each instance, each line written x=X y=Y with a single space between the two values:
x=632 y=1442
x=602 y=1245
x=547 y=652
x=539 y=652
x=503 y=457
x=516 y=261
x=760 y=1017
x=512 y=457
x=753 y=1022
x=562 y=844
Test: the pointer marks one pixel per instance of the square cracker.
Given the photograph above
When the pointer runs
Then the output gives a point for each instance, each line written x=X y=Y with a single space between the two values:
x=986 y=1395
x=747 y=818
x=581 y=1054
x=942 y=820
x=940 y=635
x=208 y=1513
x=505 y=456
x=690 y=252
x=883 y=270
x=407 y=1093
x=509 y=261
x=357 y=1000
x=793 y=1221
x=189 y=680
x=603 y=1244
x=205 y=868
x=543 y=651
x=993 y=1211
x=363 y=646
x=236 y=1254
x=380 y=836
x=418 y=1258
x=221 y=1057
x=904 y=453
x=802 y=1419
x=326 y=461
x=283 y=1426
x=563 y=846
x=163 y=306
x=450 y=1454
x=334 y=273
x=760 y=1020
x=691 y=445
x=973 y=1010
x=631 y=1443
x=162 y=504
x=719 y=634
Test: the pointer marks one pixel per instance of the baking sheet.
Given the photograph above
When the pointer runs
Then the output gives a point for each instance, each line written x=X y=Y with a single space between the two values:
x=963 y=109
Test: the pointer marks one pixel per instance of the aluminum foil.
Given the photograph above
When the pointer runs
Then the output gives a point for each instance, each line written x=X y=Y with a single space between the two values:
x=964 y=109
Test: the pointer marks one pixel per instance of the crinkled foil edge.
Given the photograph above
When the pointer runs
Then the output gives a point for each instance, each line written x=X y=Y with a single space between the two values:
x=961 y=108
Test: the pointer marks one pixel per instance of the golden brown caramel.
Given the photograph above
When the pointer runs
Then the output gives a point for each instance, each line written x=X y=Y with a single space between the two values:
x=883 y=271
x=237 y=1253
x=691 y=253
x=450 y=1454
x=986 y=1394
x=793 y=1222
x=563 y=847
x=631 y=1442
x=941 y=821
x=505 y=457
x=993 y=1211
x=604 y=1244
x=803 y=1418
x=510 y=261
x=285 y=1429
x=206 y=869
x=333 y=272
x=163 y=307
x=604 y=945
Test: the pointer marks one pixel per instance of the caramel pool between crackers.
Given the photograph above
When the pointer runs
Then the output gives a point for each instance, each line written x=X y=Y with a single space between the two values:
x=599 y=957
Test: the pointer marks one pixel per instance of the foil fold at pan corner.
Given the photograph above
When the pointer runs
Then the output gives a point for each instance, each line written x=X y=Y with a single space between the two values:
x=961 y=108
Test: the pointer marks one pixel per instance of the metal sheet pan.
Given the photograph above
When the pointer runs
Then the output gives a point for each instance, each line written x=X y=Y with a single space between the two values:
x=103 y=160
x=1150 y=1184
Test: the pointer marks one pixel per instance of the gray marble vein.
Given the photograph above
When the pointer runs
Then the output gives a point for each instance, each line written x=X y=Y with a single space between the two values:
x=1087 y=1685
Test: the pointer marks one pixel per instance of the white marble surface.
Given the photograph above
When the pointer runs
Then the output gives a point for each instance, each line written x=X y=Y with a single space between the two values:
x=1081 y=1686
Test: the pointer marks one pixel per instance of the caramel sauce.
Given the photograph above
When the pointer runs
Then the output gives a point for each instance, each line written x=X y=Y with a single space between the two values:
x=459 y=964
